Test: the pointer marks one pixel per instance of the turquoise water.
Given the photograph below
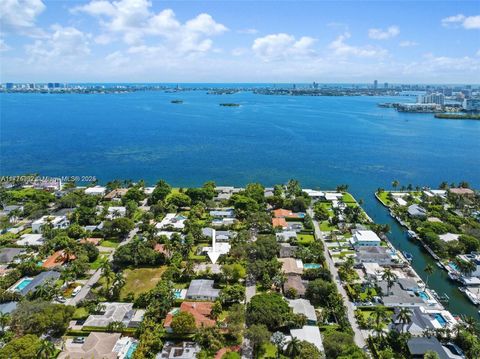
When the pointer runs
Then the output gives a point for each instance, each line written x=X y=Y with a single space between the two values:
x=440 y=319
x=177 y=293
x=423 y=295
x=311 y=265
x=23 y=284
x=321 y=141
x=131 y=350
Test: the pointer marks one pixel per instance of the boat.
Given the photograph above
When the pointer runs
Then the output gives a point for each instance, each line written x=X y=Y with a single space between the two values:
x=472 y=297
x=230 y=104
x=408 y=256
x=439 y=265
x=176 y=101
x=453 y=275
x=411 y=234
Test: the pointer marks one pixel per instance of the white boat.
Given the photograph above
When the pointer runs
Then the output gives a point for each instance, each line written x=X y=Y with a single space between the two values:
x=439 y=265
x=473 y=298
x=453 y=275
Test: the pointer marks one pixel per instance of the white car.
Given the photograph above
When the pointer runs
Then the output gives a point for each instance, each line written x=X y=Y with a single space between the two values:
x=76 y=290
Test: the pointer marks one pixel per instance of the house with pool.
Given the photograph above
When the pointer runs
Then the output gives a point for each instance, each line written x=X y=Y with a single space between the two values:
x=424 y=319
x=100 y=345
x=116 y=312
x=28 y=284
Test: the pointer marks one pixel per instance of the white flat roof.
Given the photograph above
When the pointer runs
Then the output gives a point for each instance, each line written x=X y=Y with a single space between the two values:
x=310 y=334
x=366 y=236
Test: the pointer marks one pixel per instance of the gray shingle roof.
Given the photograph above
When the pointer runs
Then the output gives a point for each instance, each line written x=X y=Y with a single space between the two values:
x=39 y=280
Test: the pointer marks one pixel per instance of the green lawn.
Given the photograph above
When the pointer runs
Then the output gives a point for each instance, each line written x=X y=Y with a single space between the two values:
x=384 y=198
x=109 y=243
x=268 y=351
x=305 y=239
x=98 y=261
x=348 y=198
x=141 y=280
x=80 y=313
x=325 y=226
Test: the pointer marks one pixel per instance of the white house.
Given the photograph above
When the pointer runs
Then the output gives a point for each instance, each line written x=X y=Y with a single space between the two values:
x=365 y=238
x=310 y=334
x=116 y=212
x=172 y=220
x=96 y=191
x=31 y=240
x=57 y=222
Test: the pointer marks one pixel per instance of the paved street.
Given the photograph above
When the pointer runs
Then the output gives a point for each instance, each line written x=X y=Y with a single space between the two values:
x=96 y=276
x=359 y=338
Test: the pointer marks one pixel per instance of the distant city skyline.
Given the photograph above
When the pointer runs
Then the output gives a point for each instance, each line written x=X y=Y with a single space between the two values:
x=240 y=41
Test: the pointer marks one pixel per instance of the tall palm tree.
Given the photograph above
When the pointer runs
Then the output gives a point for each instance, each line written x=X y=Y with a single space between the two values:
x=293 y=348
x=404 y=316
x=395 y=184
x=429 y=270
x=390 y=278
x=4 y=319
x=46 y=350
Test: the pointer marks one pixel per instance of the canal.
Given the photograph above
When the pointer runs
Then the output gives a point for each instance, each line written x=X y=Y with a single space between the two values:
x=439 y=281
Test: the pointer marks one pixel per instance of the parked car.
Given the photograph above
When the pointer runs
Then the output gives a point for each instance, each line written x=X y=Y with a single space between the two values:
x=76 y=290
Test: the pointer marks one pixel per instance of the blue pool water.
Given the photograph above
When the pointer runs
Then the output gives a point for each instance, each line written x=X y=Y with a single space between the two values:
x=335 y=140
x=177 y=293
x=441 y=320
x=423 y=295
x=23 y=283
x=311 y=265
x=131 y=350
x=453 y=266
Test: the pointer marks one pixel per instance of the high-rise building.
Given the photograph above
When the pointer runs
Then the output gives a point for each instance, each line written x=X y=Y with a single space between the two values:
x=375 y=84
x=385 y=85
x=9 y=85
x=471 y=104
x=436 y=98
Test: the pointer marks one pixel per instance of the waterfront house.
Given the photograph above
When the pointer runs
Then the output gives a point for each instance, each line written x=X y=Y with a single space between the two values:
x=418 y=346
x=303 y=306
x=314 y=194
x=201 y=312
x=424 y=319
x=475 y=260
x=364 y=238
x=57 y=222
x=332 y=196
x=116 y=194
x=182 y=350
x=31 y=239
x=202 y=289
x=116 y=312
x=416 y=211
x=383 y=256
x=462 y=192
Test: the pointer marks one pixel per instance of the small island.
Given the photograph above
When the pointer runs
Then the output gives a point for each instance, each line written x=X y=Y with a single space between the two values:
x=230 y=104
x=176 y=101
x=458 y=116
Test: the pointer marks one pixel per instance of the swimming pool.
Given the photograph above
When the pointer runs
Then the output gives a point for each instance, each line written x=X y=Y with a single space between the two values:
x=23 y=283
x=423 y=295
x=131 y=350
x=441 y=320
x=177 y=293
x=453 y=266
x=311 y=265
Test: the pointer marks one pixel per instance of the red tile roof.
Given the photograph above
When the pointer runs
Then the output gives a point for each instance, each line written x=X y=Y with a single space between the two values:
x=200 y=311
x=223 y=351
x=284 y=213
x=279 y=222
x=56 y=259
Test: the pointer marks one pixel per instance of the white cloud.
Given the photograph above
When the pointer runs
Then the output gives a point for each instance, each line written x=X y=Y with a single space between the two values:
x=239 y=51
x=133 y=21
x=248 y=31
x=64 y=44
x=340 y=48
x=379 y=34
x=467 y=22
x=407 y=43
x=4 y=46
x=19 y=16
x=282 y=46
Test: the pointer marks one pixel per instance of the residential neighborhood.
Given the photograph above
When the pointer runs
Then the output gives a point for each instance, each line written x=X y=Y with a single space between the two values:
x=129 y=271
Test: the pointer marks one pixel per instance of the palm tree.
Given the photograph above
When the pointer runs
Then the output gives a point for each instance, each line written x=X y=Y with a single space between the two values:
x=404 y=316
x=395 y=184
x=465 y=267
x=293 y=348
x=429 y=270
x=46 y=350
x=4 y=319
x=390 y=277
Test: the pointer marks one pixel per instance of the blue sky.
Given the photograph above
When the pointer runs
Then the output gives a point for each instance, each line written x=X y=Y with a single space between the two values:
x=240 y=41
